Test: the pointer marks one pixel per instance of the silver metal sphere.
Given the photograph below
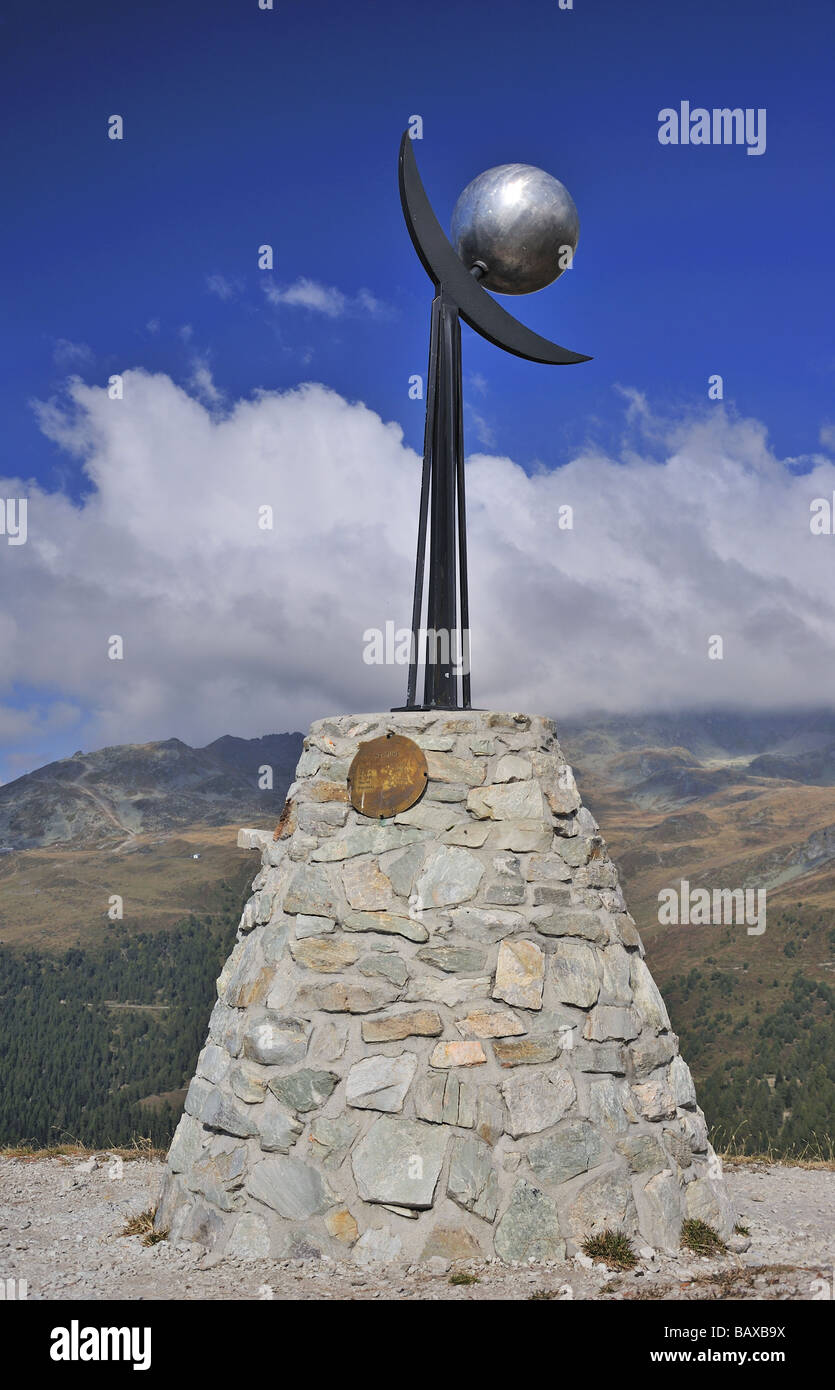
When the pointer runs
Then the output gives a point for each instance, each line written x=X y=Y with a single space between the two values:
x=517 y=221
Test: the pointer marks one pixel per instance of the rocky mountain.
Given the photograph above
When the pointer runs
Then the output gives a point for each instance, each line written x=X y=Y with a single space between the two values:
x=111 y=796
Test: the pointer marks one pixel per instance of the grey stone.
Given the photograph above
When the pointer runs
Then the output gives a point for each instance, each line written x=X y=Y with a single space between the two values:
x=380 y=1082
x=332 y=1137
x=520 y=973
x=607 y=1023
x=705 y=1199
x=570 y=922
x=603 y=1203
x=572 y=1149
x=390 y=967
x=607 y=1101
x=535 y=1102
x=647 y=998
x=398 y=1161
x=312 y=893
x=345 y=997
x=218 y=1174
x=645 y=1152
x=387 y=923
x=547 y=868
x=512 y=767
x=472 y=1180
x=400 y=868
x=681 y=1082
x=490 y=1115
x=512 y=801
x=226 y=1028
x=446 y=791
x=575 y=973
x=366 y=887
x=330 y=1038
x=444 y=768
x=187 y=1144
x=213 y=1063
x=196 y=1096
x=292 y=1188
x=276 y=1039
x=429 y=1097
x=529 y=1228
x=304 y=1090
x=522 y=836
x=313 y=926
x=248 y=1082
x=516 y=1052
x=659 y=1212
x=650 y=1051
x=470 y=835
x=430 y=815
x=655 y=1098
x=363 y=839
x=226 y=1113
x=487 y=923
x=459 y=960
x=600 y=1057
x=200 y=1225
x=377 y=1246
x=279 y=1130
x=449 y=875
x=428 y=989
x=505 y=886
x=250 y=1239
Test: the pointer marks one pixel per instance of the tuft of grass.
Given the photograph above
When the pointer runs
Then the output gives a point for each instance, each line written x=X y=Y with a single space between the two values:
x=462 y=1278
x=701 y=1238
x=613 y=1247
x=741 y=1230
x=143 y=1225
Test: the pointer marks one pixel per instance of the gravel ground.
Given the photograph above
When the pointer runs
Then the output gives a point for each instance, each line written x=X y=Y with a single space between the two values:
x=60 y=1224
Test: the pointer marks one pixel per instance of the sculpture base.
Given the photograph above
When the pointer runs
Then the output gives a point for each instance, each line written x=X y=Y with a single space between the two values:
x=437 y=1034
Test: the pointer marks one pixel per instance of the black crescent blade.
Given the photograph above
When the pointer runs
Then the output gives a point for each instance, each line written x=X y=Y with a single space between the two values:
x=441 y=263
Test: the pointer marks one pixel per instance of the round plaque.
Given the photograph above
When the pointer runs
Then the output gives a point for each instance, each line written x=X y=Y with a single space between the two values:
x=387 y=776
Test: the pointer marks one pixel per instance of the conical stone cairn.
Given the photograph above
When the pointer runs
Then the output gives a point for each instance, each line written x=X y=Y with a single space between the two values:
x=436 y=1034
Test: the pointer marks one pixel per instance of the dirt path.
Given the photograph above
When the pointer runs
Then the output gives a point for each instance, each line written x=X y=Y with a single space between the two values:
x=60 y=1222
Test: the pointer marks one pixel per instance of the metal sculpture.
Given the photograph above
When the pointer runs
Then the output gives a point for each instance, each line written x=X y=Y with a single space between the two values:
x=515 y=229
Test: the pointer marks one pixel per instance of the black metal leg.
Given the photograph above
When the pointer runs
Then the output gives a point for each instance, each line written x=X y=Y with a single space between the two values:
x=417 y=604
x=442 y=509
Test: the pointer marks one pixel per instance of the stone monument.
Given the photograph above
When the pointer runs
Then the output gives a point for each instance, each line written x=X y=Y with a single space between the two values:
x=437 y=1034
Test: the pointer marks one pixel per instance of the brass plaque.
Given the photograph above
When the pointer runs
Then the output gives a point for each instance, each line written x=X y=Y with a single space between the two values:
x=387 y=776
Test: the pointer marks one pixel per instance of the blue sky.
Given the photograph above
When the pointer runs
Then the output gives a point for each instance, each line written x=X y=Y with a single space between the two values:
x=245 y=127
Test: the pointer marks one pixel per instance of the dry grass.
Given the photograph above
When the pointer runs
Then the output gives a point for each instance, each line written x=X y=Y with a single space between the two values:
x=143 y=1225
x=140 y=1147
x=818 y=1154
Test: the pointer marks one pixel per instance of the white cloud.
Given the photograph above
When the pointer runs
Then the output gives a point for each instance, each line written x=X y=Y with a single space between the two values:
x=224 y=288
x=66 y=354
x=228 y=627
x=202 y=382
x=827 y=436
x=323 y=299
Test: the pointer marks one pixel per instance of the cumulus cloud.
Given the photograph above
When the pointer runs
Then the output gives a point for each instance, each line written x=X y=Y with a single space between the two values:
x=694 y=530
x=323 y=299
